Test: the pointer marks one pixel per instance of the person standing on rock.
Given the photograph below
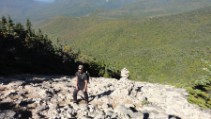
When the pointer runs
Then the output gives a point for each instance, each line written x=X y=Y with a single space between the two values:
x=81 y=84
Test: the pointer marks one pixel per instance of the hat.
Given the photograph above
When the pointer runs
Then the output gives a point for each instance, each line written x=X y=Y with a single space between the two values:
x=80 y=67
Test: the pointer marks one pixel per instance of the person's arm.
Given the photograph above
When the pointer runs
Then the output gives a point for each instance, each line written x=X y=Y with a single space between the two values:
x=76 y=85
x=85 y=85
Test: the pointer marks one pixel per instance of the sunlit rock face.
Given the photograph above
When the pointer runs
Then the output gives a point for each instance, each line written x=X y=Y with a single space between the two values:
x=51 y=97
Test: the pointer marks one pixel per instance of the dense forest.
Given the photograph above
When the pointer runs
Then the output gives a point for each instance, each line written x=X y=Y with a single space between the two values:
x=23 y=50
x=167 y=49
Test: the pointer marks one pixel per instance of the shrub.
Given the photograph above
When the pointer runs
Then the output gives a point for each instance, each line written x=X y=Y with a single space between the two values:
x=200 y=92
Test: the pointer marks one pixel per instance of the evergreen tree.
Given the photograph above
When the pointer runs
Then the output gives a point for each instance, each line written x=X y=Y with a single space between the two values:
x=3 y=23
x=25 y=51
x=10 y=25
x=28 y=27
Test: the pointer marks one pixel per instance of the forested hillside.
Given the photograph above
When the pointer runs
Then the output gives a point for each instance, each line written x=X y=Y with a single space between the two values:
x=160 y=49
x=22 y=50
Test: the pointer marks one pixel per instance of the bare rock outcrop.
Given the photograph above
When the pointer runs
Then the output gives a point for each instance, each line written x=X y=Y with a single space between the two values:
x=50 y=97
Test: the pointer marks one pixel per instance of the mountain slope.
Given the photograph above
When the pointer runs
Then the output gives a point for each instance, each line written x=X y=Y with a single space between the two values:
x=145 y=8
x=39 y=11
x=35 y=10
x=160 y=49
x=20 y=10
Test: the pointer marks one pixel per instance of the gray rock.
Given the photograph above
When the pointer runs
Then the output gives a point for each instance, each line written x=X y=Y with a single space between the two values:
x=125 y=112
x=86 y=117
x=99 y=116
x=114 y=116
x=109 y=113
x=106 y=106
x=75 y=106
x=22 y=92
x=17 y=84
x=67 y=112
x=91 y=108
x=42 y=108
x=130 y=105
x=7 y=114
x=11 y=93
x=83 y=107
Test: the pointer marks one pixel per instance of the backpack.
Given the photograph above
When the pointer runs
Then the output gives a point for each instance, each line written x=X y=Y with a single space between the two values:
x=88 y=76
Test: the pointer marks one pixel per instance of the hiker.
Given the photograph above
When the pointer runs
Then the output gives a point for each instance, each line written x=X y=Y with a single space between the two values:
x=81 y=84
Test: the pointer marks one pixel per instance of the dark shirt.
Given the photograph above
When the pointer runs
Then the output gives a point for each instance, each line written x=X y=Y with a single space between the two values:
x=81 y=80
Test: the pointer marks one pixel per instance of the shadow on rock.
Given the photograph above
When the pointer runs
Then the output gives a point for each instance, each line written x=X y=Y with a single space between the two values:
x=146 y=115
x=173 y=117
x=32 y=79
x=9 y=111
x=106 y=93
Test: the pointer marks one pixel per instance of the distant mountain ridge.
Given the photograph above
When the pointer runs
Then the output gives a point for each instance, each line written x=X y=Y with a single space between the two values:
x=35 y=10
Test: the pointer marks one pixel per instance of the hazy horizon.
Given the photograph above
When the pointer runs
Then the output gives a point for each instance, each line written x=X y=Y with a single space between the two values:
x=40 y=10
x=45 y=0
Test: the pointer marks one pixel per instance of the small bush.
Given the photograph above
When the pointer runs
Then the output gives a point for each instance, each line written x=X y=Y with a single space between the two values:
x=200 y=92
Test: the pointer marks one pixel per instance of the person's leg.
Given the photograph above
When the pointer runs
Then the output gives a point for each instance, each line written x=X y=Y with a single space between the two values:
x=86 y=96
x=75 y=92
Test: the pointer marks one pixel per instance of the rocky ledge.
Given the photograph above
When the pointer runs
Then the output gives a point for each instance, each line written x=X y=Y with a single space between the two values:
x=49 y=97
